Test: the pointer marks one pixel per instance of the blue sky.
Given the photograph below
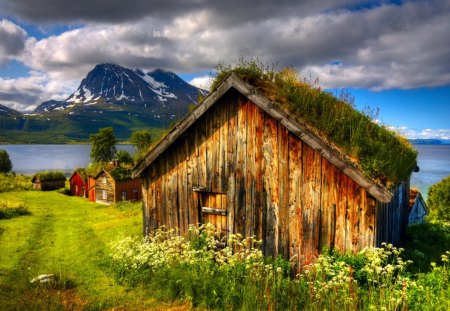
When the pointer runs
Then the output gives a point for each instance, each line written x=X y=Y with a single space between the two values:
x=390 y=55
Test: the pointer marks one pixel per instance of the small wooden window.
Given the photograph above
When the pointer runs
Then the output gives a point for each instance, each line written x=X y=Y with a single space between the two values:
x=124 y=195
x=134 y=194
x=104 y=195
x=104 y=179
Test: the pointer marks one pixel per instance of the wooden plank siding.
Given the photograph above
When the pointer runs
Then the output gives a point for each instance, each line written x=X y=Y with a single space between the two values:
x=270 y=183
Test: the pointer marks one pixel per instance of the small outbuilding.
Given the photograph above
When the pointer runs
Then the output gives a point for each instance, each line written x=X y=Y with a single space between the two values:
x=419 y=209
x=78 y=183
x=249 y=166
x=115 y=185
x=47 y=181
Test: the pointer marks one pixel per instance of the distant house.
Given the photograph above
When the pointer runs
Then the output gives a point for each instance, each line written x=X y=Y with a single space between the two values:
x=418 y=207
x=116 y=185
x=78 y=183
x=246 y=165
x=46 y=181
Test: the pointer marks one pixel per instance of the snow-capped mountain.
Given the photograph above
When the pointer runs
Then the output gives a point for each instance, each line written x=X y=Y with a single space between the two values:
x=161 y=91
x=109 y=96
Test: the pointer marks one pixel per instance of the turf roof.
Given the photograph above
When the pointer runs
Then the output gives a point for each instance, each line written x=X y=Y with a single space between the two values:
x=379 y=152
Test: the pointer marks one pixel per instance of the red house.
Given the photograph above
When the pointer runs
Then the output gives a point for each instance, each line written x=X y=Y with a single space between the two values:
x=78 y=183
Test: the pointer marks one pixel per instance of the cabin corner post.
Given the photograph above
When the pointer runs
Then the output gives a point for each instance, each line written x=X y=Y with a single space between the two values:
x=145 y=182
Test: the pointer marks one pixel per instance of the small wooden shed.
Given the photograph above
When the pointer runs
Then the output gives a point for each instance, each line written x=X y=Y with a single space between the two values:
x=47 y=181
x=249 y=167
x=116 y=185
x=419 y=209
x=78 y=183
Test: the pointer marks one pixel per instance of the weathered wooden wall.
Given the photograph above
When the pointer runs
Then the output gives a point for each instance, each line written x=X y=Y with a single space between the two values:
x=392 y=217
x=108 y=186
x=271 y=184
x=128 y=186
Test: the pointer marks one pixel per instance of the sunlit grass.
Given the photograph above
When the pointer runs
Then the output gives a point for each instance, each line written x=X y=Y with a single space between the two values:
x=65 y=236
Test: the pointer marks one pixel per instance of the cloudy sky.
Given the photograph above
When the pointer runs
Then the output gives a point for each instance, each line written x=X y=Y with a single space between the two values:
x=391 y=55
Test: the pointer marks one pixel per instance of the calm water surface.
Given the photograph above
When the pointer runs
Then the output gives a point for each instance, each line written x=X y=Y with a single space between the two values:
x=433 y=160
x=29 y=159
x=434 y=164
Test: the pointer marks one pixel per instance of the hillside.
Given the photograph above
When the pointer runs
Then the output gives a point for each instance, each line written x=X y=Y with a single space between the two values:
x=110 y=95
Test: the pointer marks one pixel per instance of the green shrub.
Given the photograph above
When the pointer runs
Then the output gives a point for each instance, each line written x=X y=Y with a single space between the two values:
x=439 y=200
x=13 y=182
x=12 y=208
x=381 y=153
x=420 y=250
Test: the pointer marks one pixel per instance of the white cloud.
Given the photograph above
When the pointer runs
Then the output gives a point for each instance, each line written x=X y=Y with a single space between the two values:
x=423 y=134
x=203 y=82
x=380 y=47
x=24 y=94
x=12 y=40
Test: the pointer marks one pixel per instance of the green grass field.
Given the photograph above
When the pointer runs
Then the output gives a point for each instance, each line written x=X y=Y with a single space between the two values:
x=66 y=236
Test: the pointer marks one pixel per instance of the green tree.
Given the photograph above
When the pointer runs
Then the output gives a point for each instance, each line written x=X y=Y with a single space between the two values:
x=103 y=145
x=141 y=141
x=123 y=157
x=5 y=162
x=439 y=200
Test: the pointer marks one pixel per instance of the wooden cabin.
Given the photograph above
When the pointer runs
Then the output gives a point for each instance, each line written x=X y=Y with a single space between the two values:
x=247 y=166
x=111 y=188
x=419 y=209
x=47 y=181
x=78 y=183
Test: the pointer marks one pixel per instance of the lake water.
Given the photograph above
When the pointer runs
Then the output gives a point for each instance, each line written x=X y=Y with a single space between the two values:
x=433 y=160
x=29 y=159
x=434 y=164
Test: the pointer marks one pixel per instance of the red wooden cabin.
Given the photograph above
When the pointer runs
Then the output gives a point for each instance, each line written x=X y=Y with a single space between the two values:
x=78 y=183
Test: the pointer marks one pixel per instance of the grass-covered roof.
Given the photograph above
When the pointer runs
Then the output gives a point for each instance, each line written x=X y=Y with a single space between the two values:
x=384 y=155
x=50 y=176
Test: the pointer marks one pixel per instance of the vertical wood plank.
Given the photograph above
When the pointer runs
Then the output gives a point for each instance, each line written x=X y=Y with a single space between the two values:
x=250 y=169
x=201 y=158
x=241 y=151
x=341 y=211
x=270 y=154
x=308 y=205
x=259 y=204
x=295 y=212
x=215 y=152
x=283 y=190
x=182 y=187
x=230 y=169
x=325 y=211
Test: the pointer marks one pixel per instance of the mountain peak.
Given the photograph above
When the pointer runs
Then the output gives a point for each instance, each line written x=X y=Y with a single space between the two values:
x=160 y=92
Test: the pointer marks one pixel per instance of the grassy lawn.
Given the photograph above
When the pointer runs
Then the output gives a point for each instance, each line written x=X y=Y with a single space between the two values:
x=68 y=237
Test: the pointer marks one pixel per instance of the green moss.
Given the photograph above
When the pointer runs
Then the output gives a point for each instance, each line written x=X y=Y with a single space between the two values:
x=382 y=154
